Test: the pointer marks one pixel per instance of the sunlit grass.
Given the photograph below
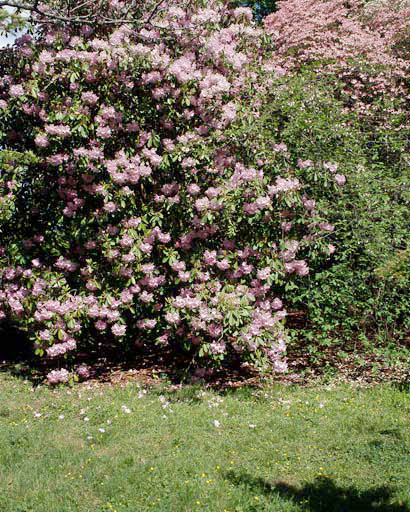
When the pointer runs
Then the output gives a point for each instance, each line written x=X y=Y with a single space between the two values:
x=167 y=449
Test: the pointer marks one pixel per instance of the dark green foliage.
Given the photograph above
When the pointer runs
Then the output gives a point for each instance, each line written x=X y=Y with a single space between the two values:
x=362 y=292
x=261 y=8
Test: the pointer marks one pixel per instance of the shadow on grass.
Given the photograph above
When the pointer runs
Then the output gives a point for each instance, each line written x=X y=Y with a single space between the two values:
x=323 y=495
x=404 y=387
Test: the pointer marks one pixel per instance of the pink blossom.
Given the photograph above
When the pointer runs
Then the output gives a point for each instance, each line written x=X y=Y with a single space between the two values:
x=100 y=325
x=202 y=204
x=178 y=266
x=184 y=276
x=164 y=238
x=57 y=159
x=145 y=247
x=280 y=366
x=277 y=304
x=332 y=166
x=303 y=164
x=217 y=347
x=104 y=132
x=309 y=204
x=210 y=257
x=223 y=264
x=326 y=226
x=126 y=241
x=163 y=339
x=264 y=273
x=58 y=376
x=214 y=84
x=110 y=207
x=153 y=157
x=16 y=91
x=280 y=148
x=300 y=267
x=184 y=68
x=250 y=208
x=118 y=329
x=286 y=226
x=133 y=222
x=340 y=179
x=173 y=318
x=89 y=97
x=61 y=130
x=193 y=189
x=41 y=141
x=263 y=202
x=245 y=12
x=147 y=323
x=146 y=297
x=112 y=316
x=44 y=335
x=126 y=297
x=148 y=268
x=83 y=371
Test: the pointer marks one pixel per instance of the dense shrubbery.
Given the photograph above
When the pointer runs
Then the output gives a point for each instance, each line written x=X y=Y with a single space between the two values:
x=357 y=55
x=181 y=179
x=135 y=205
x=344 y=296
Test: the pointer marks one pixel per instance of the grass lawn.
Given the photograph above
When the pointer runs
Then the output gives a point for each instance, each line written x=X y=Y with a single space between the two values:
x=281 y=448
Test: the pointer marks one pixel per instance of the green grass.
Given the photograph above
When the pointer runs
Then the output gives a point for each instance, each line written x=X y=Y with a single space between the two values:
x=276 y=449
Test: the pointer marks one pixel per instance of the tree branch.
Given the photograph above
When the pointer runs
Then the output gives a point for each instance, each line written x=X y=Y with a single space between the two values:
x=154 y=11
x=52 y=16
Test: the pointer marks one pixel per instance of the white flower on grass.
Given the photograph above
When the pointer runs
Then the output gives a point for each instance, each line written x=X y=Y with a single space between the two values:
x=37 y=414
x=251 y=425
x=61 y=417
x=125 y=409
x=217 y=423
x=101 y=430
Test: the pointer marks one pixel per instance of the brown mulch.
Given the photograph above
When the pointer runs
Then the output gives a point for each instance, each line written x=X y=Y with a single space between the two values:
x=159 y=367
x=356 y=368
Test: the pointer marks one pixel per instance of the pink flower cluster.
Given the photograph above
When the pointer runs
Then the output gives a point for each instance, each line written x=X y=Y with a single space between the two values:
x=58 y=376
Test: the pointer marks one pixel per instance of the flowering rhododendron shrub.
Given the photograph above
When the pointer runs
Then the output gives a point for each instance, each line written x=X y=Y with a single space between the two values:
x=133 y=205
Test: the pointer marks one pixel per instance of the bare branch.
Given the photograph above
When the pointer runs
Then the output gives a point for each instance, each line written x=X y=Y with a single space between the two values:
x=97 y=16
x=18 y=5
x=155 y=10
x=52 y=16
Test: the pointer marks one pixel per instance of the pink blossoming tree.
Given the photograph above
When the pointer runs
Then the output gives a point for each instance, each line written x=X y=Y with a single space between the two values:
x=361 y=48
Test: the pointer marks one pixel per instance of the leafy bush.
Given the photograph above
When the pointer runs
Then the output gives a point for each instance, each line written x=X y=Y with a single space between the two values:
x=331 y=108
x=135 y=206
